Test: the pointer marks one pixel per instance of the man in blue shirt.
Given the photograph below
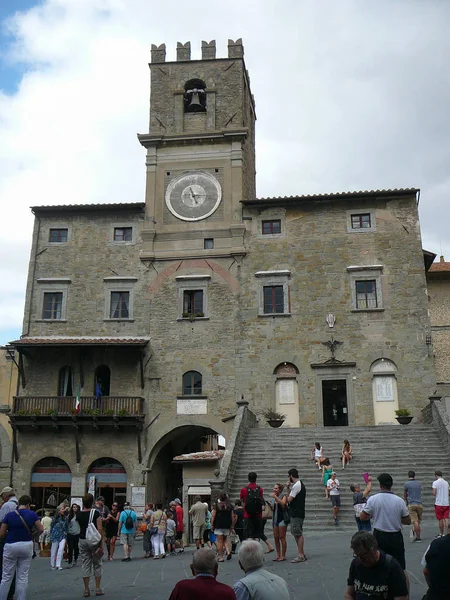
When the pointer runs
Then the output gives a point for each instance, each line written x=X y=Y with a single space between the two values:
x=413 y=498
x=127 y=533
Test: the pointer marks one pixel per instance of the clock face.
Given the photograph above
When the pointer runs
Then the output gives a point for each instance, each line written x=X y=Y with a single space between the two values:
x=193 y=196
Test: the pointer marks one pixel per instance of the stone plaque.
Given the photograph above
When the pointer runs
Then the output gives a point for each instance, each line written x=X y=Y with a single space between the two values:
x=286 y=391
x=385 y=389
x=192 y=406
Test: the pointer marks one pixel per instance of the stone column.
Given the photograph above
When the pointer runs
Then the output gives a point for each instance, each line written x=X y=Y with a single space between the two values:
x=217 y=487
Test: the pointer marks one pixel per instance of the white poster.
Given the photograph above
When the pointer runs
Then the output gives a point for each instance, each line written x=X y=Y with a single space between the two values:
x=384 y=389
x=138 y=499
x=78 y=501
x=91 y=489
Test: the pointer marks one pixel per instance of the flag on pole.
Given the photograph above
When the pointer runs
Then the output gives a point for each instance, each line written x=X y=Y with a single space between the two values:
x=78 y=401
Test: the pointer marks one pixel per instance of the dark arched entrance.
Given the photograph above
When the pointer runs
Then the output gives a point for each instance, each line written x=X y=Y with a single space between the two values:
x=51 y=482
x=107 y=477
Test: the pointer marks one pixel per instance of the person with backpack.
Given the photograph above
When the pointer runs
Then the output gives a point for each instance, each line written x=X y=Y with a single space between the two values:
x=223 y=520
x=127 y=530
x=252 y=497
x=91 y=550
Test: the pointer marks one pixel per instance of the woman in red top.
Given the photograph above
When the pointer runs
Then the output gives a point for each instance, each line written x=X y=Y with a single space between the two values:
x=180 y=523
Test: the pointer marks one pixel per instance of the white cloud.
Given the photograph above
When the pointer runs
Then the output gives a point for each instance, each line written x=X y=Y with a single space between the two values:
x=349 y=95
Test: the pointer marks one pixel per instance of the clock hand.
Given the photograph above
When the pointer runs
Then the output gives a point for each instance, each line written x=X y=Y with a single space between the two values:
x=192 y=196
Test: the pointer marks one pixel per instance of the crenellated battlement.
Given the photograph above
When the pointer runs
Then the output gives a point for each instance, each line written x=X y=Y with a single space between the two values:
x=235 y=50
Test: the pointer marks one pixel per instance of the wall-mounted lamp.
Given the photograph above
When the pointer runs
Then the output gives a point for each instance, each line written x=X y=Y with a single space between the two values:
x=428 y=340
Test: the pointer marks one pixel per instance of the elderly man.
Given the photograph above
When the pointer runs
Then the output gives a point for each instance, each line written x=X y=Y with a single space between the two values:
x=204 y=585
x=257 y=583
x=10 y=504
x=374 y=574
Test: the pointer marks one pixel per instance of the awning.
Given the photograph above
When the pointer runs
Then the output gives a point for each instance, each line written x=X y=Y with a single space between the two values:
x=79 y=341
x=199 y=490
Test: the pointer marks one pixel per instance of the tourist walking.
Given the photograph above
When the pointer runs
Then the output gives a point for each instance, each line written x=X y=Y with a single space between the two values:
x=279 y=524
x=111 y=528
x=359 y=501
x=252 y=497
x=58 y=537
x=346 y=453
x=170 y=533
x=127 y=530
x=207 y=527
x=222 y=521
x=16 y=530
x=91 y=556
x=389 y=513
x=10 y=503
x=296 y=501
x=147 y=537
x=198 y=516
x=318 y=454
x=327 y=469
x=158 y=526
x=335 y=496
x=239 y=524
x=44 y=538
x=73 y=535
x=440 y=490
x=372 y=570
x=258 y=583
x=204 y=585
x=412 y=493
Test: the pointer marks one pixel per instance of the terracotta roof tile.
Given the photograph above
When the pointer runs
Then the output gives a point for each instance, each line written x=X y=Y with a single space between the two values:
x=57 y=340
x=440 y=267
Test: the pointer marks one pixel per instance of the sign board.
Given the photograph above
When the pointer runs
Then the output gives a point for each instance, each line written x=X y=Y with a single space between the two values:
x=192 y=407
x=286 y=391
x=138 y=499
x=91 y=489
x=384 y=388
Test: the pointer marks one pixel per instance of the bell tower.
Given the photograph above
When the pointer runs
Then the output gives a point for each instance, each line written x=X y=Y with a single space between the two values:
x=200 y=154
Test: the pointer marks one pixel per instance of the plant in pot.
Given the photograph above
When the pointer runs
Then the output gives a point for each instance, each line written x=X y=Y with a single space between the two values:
x=404 y=416
x=274 y=418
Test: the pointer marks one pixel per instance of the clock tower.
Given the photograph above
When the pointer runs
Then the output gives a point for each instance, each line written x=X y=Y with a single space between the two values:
x=200 y=154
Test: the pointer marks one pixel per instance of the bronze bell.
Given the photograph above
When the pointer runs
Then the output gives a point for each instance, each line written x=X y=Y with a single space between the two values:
x=195 y=105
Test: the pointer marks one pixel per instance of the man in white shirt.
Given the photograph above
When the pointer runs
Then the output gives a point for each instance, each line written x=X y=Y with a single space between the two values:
x=335 y=495
x=388 y=512
x=441 y=503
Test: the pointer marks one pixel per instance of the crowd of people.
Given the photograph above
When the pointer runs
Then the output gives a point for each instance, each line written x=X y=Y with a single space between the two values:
x=90 y=531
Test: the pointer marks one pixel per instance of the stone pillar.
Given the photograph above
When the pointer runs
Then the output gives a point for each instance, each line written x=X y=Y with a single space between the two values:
x=158 y=53
x=235 y=49
x=208 y=50
x=78 y=486
x=183 y=51
x=217 y=487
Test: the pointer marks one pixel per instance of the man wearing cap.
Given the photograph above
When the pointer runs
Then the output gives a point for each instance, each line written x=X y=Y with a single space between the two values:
x=389 y=512
x=10 y=504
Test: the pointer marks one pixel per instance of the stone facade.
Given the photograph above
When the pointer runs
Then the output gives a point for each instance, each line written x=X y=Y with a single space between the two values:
x=438 y=280
x=8 y=387
x=281 y=319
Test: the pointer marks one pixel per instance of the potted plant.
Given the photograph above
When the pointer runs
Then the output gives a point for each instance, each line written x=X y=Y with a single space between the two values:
x=404 y=416
x=274 y=418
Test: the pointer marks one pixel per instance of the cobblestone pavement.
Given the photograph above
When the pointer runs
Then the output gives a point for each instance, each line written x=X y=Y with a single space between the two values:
x=322 y=577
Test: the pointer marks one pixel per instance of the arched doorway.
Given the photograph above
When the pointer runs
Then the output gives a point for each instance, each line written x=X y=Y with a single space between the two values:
x=384 y=391
x=102 y=381
x=286 y=393
x=51 y=482
x=107 y=477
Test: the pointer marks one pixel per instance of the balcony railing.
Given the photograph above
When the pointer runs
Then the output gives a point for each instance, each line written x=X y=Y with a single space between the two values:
x=106 y=406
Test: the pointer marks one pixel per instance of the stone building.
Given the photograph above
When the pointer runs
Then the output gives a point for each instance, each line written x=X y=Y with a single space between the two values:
x=438 y=279
x=8 y=388
x=161 y=315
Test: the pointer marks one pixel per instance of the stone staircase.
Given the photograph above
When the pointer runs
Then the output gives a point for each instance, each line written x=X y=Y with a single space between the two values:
x=392 y=449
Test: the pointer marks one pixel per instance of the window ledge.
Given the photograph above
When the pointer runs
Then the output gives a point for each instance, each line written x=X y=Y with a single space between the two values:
x=126 y=320
x=275 y=315
x=193 y=319
x=193 y=397
x=365 y=268
x=50 y=320
x=118 y=243
x=362 y=230
x=358 y=310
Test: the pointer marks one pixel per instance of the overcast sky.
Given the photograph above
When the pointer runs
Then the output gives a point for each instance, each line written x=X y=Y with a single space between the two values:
x=350 y=95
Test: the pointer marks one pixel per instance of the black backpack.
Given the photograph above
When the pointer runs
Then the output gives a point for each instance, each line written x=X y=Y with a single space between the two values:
x=129 y=523
x=253 y=503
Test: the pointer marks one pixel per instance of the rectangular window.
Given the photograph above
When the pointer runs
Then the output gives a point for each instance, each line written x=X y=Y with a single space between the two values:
x=193 y=303
x=208 y=243
x=123 y=234
x=58 y=235
x=271 y=227
x=366 y=294
x=120 y=305
x=273 y=299
x=52 y=305
x=361 y=221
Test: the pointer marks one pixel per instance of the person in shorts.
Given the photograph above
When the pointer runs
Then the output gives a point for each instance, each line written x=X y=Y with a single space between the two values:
x=296 y=501
x=413 y=497
x=440 y=489
x=126 y=534
x=44 y=538
x=334 y=495
x=170 y=533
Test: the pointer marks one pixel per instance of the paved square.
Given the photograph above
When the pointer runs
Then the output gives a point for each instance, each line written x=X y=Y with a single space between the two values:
x=322 y=577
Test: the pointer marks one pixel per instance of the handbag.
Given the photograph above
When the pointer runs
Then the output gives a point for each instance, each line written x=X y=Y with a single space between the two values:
x=143 y=527
x=34 y=533
x=267 y=512
x=358 y=508
x=286 y=515
x=93 y=535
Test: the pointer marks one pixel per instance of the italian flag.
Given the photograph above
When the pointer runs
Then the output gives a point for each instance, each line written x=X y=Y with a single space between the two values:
x=77 y=401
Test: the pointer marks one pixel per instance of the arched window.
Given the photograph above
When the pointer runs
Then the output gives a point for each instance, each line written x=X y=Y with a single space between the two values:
x=65 y=381
x=384 y=390
x=102 y=381
x=195 y=96
x=192 y=383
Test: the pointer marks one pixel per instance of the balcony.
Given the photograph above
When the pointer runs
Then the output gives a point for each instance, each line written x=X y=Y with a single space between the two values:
x=117 y=412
